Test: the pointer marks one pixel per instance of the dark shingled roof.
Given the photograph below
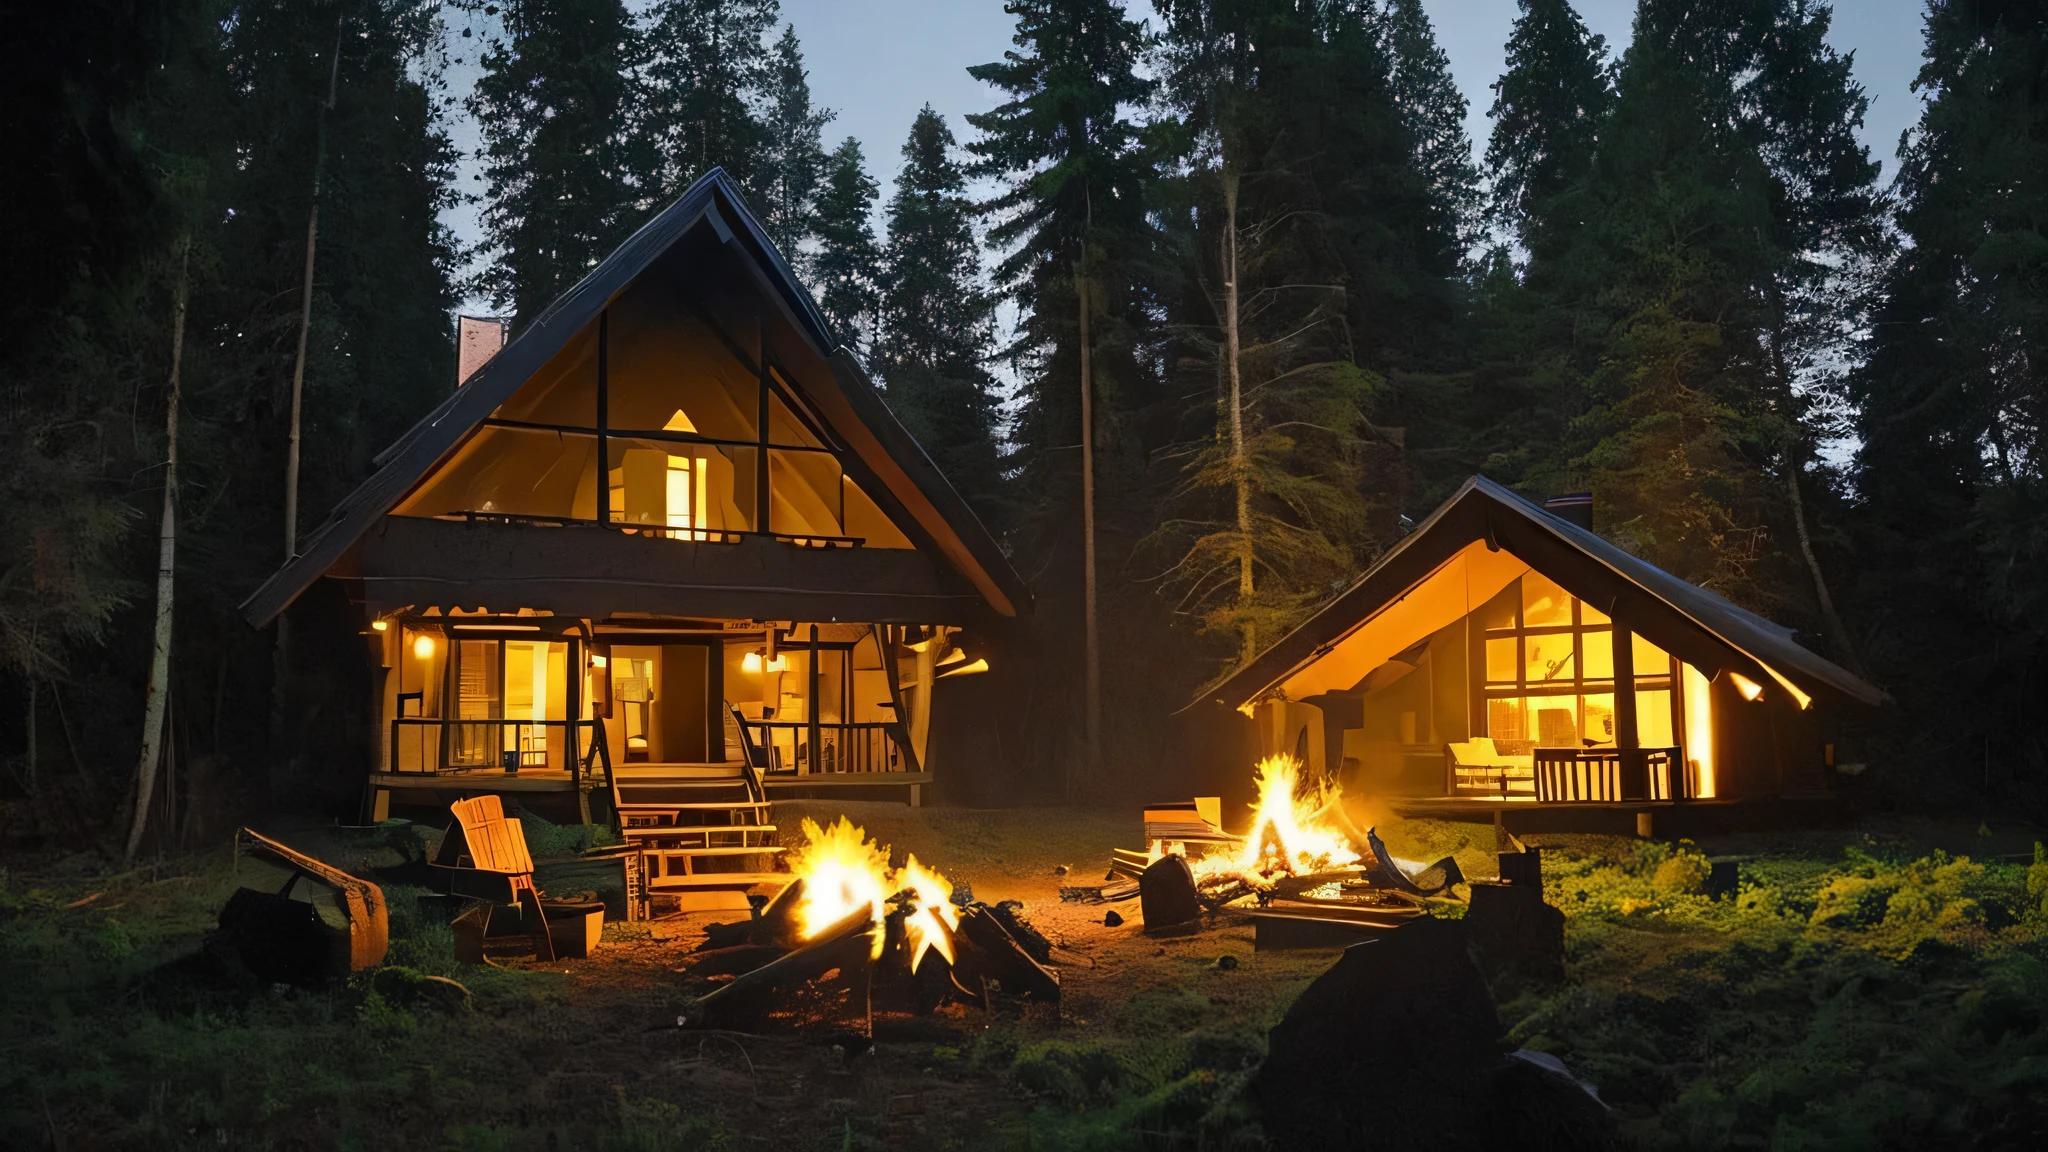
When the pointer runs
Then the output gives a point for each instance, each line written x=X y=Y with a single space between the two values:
x=1698 y=626
x=713 y=201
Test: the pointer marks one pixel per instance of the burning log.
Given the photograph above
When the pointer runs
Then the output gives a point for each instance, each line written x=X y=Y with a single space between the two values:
x=1011 y=914
x=772 y=926
x=736 y=960
x=846 y=945
x=1167 y=894
x=996 y=955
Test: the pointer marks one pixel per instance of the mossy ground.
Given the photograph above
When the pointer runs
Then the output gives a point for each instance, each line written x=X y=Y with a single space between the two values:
x=1873 y=987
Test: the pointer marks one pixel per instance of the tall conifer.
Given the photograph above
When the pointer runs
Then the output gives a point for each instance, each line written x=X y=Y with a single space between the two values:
x=792 y=164
x=1547 y=111
x=1950 y=411
x=560 y=180
x=708 y=62
x=847 y=270
x=1433 y=115
x=1727 y=183
x=1073 y=211
x=936 y=320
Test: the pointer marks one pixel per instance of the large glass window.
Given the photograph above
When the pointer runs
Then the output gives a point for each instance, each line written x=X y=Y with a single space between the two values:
x=1549 y=669
x=1550 y=673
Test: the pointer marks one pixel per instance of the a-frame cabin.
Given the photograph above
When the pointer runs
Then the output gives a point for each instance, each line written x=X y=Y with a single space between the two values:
x=755 y=591
x=1504 y=657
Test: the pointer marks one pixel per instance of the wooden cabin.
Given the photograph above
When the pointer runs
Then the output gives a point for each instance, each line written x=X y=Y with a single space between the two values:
x=1504 y=657
x=666 y=553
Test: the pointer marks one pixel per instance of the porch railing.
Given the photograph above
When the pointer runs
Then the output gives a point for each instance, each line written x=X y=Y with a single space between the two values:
x=431 y=746
x=787 y=747
x=1613 y=775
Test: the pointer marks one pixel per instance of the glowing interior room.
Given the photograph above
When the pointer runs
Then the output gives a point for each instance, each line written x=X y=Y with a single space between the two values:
x=1501 y=654
x=667 y=539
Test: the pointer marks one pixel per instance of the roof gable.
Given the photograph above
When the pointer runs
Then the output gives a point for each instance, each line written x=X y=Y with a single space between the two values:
x=792 y=334
x=1696 y=625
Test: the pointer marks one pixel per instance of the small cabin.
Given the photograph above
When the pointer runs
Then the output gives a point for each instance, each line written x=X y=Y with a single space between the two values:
x=1504 y=657
x=666 y=542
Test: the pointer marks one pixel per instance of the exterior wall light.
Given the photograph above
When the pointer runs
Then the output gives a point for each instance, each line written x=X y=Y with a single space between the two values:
x=1750 y=689
x=423 y=646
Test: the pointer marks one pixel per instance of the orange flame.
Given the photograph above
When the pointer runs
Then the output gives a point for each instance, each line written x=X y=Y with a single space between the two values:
x=1290 y=833
x=843 y=871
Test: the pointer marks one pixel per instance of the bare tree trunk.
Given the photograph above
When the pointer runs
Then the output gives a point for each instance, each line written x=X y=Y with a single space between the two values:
x=1833 y=621
x=291 y=459
x=158 y=692
x=1240 y=473
x=281 y=654
x=1092 y=674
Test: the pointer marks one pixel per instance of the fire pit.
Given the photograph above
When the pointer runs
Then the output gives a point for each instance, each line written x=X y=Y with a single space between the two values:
x=1301 y=860
x=849 y=931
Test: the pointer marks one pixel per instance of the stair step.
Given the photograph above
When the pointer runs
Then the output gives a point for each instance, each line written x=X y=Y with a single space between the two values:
x=627 y=806
x=718 y=880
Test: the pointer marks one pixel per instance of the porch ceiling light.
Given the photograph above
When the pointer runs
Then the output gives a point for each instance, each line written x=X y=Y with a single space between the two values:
x=1750 y=689
x=423 y=646
x=380 y=625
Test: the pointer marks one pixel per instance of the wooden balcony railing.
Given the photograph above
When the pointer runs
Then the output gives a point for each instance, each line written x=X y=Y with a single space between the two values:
x=787 y=749
x=1613 y=775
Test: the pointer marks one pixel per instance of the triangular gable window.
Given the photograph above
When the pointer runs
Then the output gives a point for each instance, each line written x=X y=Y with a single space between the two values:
x=681 y=419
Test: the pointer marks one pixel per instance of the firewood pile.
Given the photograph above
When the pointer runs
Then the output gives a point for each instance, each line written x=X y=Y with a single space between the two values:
x=849 y=937
x=1302 y=860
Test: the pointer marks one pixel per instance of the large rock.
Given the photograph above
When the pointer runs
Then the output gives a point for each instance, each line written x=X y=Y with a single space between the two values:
x=1381 y=1051
x=1517 y=939
x=1398 y=1047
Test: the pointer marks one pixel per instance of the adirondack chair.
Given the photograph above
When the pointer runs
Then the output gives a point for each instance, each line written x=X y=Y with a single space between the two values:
x=484 y=856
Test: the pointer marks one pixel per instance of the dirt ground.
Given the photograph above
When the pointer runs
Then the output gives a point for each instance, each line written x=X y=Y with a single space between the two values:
x=927 y=1083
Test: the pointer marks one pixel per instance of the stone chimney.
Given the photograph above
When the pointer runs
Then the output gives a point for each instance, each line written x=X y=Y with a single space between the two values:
x=477 y=339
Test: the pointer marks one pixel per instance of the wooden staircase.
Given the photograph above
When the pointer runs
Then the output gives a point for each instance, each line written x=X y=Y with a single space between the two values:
x=701 y=834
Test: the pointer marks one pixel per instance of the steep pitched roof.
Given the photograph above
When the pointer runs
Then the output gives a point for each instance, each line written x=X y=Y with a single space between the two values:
x=1682 y=618
x=847 y=400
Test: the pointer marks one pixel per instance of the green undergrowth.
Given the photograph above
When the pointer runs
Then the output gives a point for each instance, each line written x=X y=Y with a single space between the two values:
x=1859 y=1000
x=122 y=1033
x=1166 y=1069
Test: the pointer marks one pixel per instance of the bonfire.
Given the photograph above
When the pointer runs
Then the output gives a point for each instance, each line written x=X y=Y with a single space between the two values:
x=848 y=919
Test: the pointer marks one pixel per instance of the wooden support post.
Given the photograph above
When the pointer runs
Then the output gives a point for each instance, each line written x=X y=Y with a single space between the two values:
x=604 y=455
x=762 y=505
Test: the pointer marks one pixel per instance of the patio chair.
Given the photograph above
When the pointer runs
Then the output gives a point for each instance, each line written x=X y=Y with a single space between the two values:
x=1478 y=765
x=484 y=857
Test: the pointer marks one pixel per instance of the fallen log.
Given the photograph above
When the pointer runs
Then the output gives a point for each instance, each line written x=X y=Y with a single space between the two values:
x=998 y=956
x=1011 y=914
x=773 y=926
x=846 y=944
x=736 y=960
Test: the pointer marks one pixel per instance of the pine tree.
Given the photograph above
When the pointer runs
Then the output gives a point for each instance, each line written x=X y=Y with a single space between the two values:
x=708 y=63
x=846 y=272
x=793 y=163
x=937 y=321
x=1949 y=406
x=1272 y=508
x=1433 y=116
x=1073 y=211
x=1727 y=182
x=1548 y=108
x=560 y=180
